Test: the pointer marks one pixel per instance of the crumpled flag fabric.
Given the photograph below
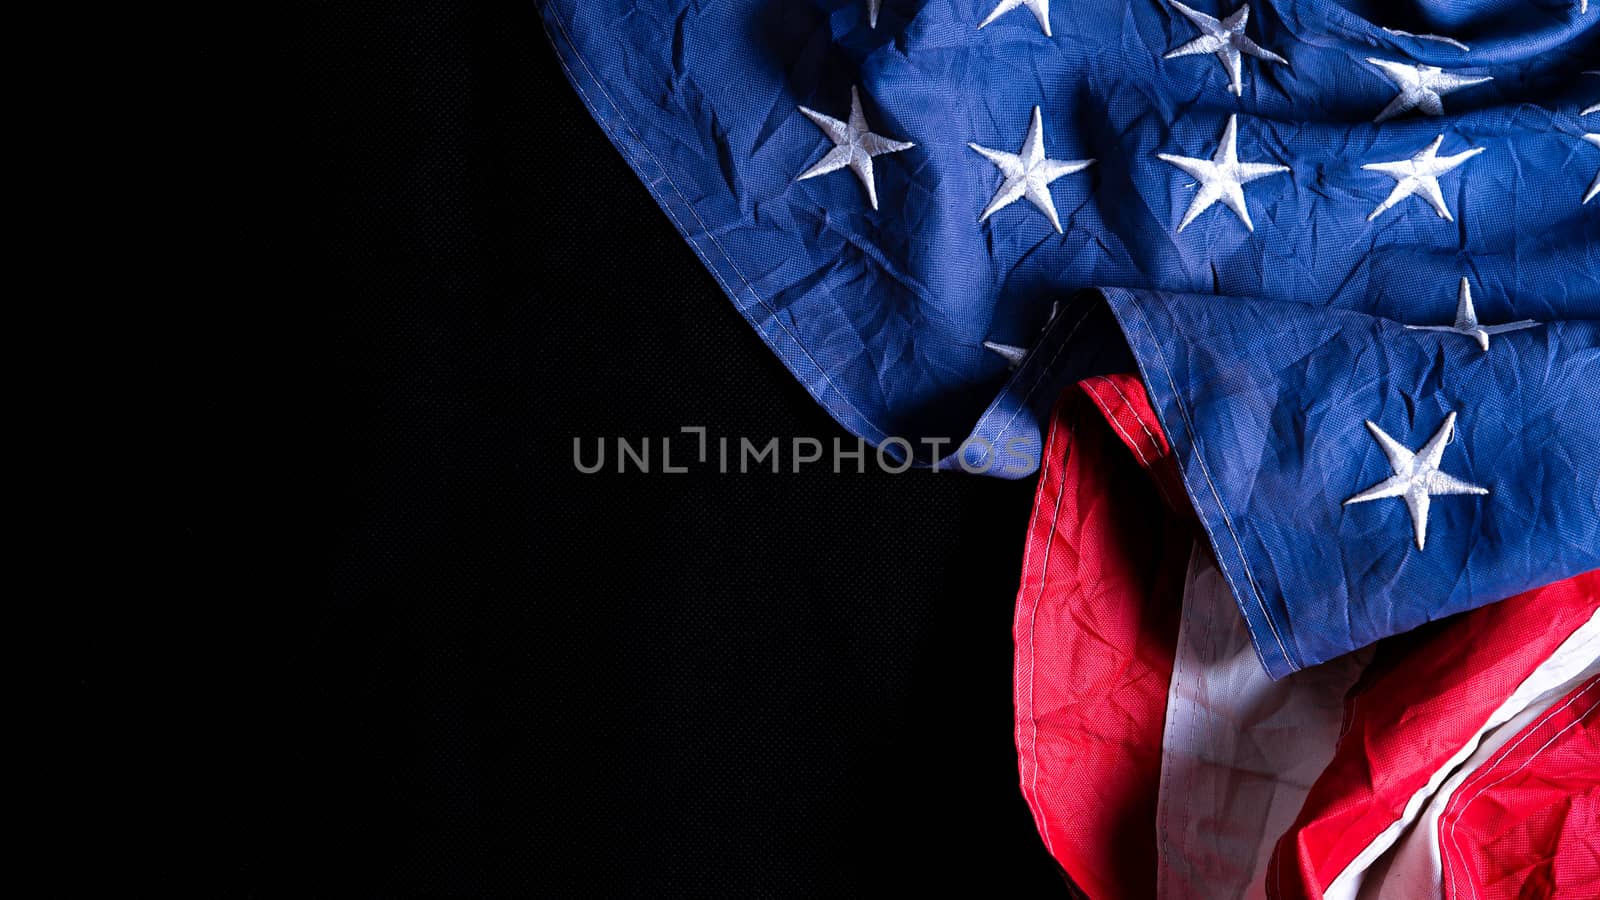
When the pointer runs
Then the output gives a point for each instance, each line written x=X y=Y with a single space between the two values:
x=1109 y=770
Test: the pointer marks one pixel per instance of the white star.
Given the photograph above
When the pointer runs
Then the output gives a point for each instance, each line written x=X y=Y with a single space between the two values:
x=1594 y=187
x=1028 y=173
x=1595 y=108
x=1421 y=174
x=1226 y=39
x=1039 y=8
x=854 y=145
x=872 y=12
x=1416 y=477
x=1467 y=321
x=1421 y=87
x=1013 y=354
x=1222 y=177
x=1429 y=37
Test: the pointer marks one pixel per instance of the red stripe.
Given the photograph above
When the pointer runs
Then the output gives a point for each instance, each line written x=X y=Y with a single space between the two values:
x=1126 y=407
x=1095 y=631
x=1096 y=628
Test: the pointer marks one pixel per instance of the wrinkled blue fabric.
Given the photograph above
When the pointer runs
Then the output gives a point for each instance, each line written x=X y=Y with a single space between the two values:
x=1263 y=352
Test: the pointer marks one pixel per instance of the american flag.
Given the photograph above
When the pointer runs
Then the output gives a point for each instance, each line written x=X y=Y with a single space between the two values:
x=1291 y=308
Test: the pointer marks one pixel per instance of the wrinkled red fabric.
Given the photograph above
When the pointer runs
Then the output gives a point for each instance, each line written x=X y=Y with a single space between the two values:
x=1096 y=630
x=1527 y=823
x=1424 y=696
x=1126 y=407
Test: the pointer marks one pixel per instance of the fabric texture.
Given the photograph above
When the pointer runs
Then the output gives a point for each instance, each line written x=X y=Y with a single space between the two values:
x=1416 y=865
x=1419 y=712
x=1239 y=750
x=1528 y=822
x=1272 y=446
x=1095 y=633
x=1157 y=761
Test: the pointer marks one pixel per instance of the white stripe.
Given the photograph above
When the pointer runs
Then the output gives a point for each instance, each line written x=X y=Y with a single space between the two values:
x=1239 y=751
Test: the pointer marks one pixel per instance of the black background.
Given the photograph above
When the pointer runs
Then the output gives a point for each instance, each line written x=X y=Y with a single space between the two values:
x=438 y=660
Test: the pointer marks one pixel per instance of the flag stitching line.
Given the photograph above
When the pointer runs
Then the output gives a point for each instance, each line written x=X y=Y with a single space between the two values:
x=1133 y=444
x=1154 y=444
x=1519 y=768
x=1441 y=772
x=1179 y=697
x=1033 y=621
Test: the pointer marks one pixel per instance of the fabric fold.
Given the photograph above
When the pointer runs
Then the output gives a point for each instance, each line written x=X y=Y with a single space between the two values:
x=1267 y=408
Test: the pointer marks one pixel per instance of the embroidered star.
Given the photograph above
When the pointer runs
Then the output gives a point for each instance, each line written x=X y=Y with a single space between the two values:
x=1429 y=37
x=1595 y=108
x=1416 y=478
x=854 y=145
x=1420 y=174
x=1222 y=177
x=872 y=12
x=1594 y=186
x=1028 y=173
x=1039 y=8
x=1421 y=87
x=1013 y=354
x=1227 y=40
x=1467 y=321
